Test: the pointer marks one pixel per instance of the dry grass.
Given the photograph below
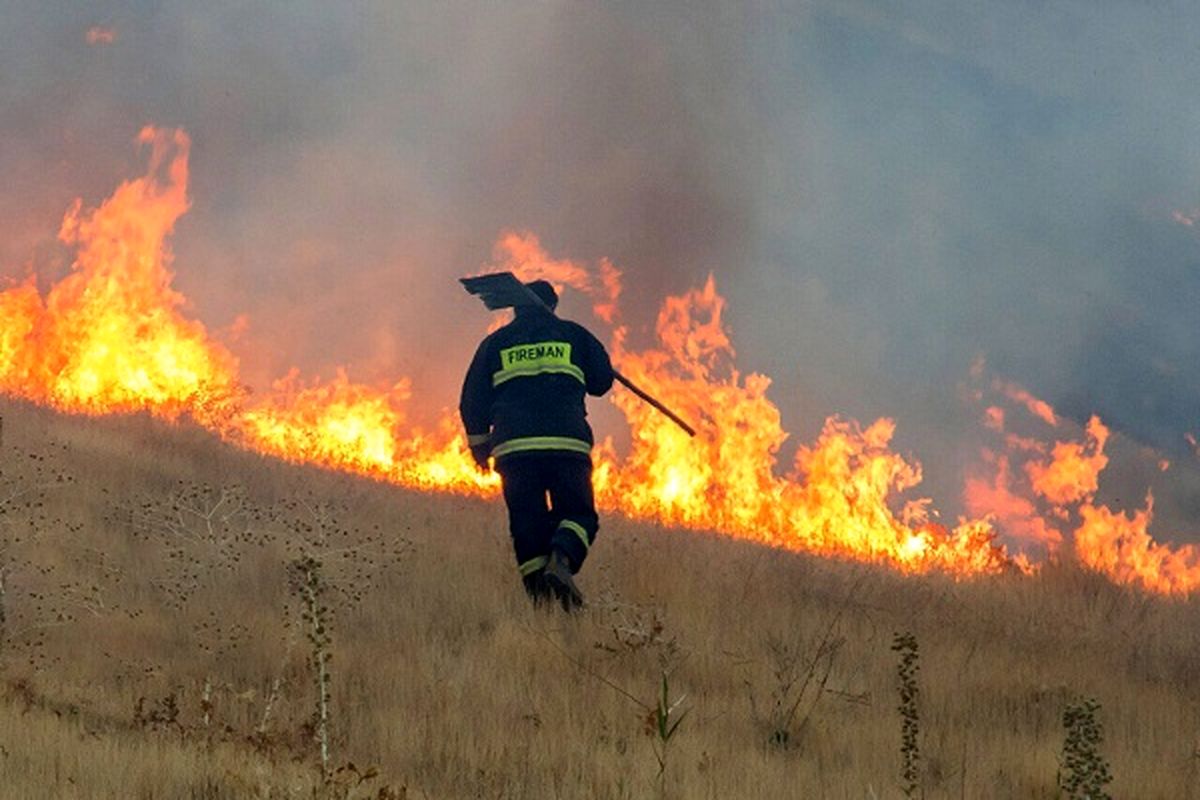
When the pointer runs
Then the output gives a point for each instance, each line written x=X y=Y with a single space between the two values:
x=139 y=668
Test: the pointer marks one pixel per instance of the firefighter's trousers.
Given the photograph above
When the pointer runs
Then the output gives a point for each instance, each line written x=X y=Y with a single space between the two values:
x=550 y=506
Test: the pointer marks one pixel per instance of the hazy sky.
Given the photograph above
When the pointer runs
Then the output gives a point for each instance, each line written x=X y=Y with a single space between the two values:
x=884 y=190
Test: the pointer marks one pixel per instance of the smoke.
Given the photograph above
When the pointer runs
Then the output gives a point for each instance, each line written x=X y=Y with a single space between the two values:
x=885 y=193
x=351 y=159
x=952 y=180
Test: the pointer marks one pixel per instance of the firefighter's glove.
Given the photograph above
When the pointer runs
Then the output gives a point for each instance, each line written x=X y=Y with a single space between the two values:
x=480 y=453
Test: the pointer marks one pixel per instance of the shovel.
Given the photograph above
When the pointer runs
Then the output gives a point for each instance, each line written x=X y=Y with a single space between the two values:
x=504 y=290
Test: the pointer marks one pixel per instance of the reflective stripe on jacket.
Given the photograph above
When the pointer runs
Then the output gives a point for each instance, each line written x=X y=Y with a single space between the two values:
x=524 y=391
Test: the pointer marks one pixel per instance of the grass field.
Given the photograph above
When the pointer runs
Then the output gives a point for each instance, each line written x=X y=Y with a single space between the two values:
x=157 y=642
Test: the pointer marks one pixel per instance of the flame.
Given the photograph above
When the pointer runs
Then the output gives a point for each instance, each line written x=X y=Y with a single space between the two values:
x=340 y=424
x=522 y=253
x=112 y=337
x=1060 y=491
x=1017 y=515
x=1118 y=545
x=1186 y=218
x=100 y=34
x=1073 y=472
x=1039 y=408
x=837 y=498
x=357 y=428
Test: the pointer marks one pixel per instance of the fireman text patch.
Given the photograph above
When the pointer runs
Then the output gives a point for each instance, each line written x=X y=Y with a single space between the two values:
x=537 y=358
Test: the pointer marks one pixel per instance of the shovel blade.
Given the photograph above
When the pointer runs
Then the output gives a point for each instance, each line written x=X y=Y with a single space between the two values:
x=500 y=290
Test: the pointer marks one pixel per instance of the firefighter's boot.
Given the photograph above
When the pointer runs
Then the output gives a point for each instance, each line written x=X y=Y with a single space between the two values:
x=561 y=584
x=537 y=588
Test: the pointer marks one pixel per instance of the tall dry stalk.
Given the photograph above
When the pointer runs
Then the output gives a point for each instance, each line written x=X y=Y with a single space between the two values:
x=3 y=607
x=1084 y=772
x=800 y=673
x=308 y=584
x=332 y=569
x=910 y=721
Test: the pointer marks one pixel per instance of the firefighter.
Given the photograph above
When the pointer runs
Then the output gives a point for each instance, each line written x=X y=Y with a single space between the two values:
x=523 y=405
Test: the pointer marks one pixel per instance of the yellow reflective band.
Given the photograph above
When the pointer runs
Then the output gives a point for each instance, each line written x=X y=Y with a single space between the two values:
x=578 y=531
x=541 y=443
x=533 y=565
x=478 y=438
x=528 y=372
x=538 y=358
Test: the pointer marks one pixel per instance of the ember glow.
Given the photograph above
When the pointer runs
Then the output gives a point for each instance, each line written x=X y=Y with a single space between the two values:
x=111 y=337
x=99 y=35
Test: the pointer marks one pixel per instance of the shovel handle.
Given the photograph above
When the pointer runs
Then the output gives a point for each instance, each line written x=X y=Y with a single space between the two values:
x=628 y=384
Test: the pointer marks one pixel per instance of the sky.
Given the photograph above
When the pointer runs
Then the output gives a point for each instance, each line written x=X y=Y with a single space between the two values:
x=886 y=192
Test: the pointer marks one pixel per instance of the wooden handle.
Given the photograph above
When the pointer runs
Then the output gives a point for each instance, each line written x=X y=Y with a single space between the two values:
x=670 y=414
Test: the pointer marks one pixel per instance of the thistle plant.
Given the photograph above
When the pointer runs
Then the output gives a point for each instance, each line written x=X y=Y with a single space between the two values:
x=910 y=722
x=1083 y=771
x=205 y=534
x=331 y=568
x=308 y=584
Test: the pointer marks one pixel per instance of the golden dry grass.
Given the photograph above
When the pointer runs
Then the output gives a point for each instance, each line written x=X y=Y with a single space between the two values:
x=452 y=687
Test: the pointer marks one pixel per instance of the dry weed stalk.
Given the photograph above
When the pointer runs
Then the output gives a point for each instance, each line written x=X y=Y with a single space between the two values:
x=260 y=736
x=910 y=721
x=332 y=569
x=205 y=535
x=801 y=674
x=636 y=629
x=1083 y=772
x=308 y=584
x=205 y=532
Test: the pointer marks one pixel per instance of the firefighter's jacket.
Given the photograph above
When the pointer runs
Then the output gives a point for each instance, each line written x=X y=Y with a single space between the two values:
x=524 y=390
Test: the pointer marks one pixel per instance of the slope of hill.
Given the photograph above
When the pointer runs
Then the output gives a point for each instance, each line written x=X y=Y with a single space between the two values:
x=157 y=640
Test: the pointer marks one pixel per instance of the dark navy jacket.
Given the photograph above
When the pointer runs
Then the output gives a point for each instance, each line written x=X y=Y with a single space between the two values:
x=524 y=390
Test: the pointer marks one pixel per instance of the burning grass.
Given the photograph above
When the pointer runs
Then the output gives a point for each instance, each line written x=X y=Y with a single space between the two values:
x=112 y=337
x=447 y=683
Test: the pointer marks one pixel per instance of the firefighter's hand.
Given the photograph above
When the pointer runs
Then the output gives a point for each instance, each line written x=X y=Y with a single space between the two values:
x=480 y=453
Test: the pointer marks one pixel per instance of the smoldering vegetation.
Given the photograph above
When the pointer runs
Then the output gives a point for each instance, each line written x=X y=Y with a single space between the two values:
x=182 y=619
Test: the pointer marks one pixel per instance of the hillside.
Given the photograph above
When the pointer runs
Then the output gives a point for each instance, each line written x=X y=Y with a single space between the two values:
x=154 y=645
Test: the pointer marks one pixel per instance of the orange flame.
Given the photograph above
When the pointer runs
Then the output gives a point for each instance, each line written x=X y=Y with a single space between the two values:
x=1118 y=545
x=1017 y=516
x=99 y=34
x=339 y=424
x=1073 y=472
x=522 y=253
x=1063 y=488
x=1039 y=408
x=111 y=337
